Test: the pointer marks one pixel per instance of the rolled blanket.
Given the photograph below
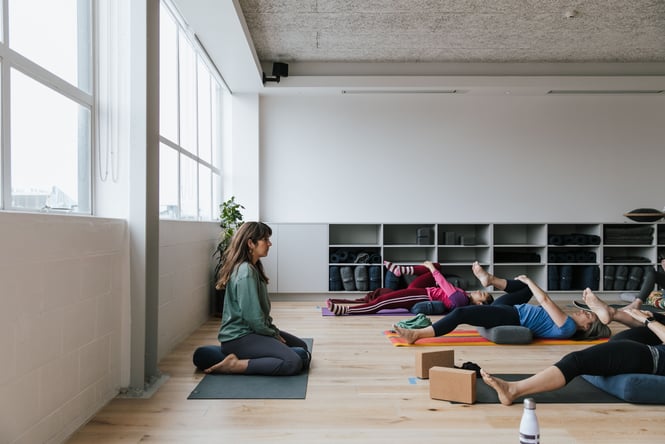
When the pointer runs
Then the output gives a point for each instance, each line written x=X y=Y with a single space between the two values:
x=580 y=239
x=375 y=258
x=555 y=239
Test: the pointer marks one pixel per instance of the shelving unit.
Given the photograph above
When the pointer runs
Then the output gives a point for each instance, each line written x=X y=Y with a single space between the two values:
x=560 y=257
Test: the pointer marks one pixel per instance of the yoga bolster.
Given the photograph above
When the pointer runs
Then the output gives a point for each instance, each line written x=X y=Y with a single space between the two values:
x=507 y=334
x=637 y=388
x=374 y=277
x=361 y=276
x=348 y=279
x=391 y=281
x=553 y=278
x=335 y=279
x=428 y=308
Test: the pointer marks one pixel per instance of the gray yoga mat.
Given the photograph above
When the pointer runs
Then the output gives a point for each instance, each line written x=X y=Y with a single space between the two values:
x=578 y=391
x=253 y=386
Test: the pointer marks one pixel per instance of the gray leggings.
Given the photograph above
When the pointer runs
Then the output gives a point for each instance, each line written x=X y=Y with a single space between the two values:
x=651 y=278
x=268 y=355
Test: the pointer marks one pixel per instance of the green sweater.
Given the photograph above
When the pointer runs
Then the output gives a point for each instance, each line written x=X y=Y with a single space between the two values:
x=246 y=306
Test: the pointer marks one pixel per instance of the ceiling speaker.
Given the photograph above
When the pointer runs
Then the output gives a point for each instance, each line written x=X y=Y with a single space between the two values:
x=280 y=69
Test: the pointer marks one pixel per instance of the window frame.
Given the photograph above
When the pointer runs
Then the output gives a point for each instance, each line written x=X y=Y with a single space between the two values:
x=218 y=90
x=12 y=60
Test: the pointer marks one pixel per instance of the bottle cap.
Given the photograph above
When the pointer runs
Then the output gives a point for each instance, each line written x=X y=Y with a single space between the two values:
x=530 y=404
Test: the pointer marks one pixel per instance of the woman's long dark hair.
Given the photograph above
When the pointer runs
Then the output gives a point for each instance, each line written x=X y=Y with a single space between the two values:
x=239 y=252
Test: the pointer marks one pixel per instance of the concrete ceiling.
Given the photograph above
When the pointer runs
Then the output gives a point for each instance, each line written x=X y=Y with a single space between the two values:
x=459 y=37
x=469 y=46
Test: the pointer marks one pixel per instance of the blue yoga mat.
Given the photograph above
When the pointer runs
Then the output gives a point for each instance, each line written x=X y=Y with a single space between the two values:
x=217 y=386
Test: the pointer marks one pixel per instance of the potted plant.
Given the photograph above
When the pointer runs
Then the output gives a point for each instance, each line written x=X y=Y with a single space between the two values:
x=230 y=218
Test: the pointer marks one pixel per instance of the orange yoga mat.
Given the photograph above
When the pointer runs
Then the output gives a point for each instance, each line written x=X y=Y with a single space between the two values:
x=472 y=337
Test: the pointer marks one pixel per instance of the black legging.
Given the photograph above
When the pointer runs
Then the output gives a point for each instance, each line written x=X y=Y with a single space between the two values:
x=651 y=278
x=268 y=355
x=500 y=312
x=641 y=334
x=517 y=292
x=607 y=359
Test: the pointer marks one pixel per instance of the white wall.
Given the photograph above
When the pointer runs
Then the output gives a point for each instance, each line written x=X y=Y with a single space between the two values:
x=64 y=296
x=64 y=314
x=442 y=158
x=185 y=279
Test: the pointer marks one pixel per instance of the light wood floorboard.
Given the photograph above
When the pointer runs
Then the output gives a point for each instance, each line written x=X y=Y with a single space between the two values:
x=361 y=390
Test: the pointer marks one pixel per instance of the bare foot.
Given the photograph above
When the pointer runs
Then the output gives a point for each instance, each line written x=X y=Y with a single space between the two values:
x=481 y=274
x=408 y=334
x=503 y=388
x=604 y=312
x=226 y=365
x=636 y=304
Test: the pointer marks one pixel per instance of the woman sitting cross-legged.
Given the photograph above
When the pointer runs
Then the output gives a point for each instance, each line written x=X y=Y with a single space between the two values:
x=546 y=320
x=251 y=343
x=608 y=359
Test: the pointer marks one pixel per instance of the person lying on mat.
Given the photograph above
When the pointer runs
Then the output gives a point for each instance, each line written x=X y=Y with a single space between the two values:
x=430 y=285
x=252 y=343
x=445 y=295
x=608 y=359
x=607 y=313
x=546 y=320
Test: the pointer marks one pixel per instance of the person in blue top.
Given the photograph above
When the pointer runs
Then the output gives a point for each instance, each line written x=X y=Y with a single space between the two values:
x=545 y=320
x=251 y=343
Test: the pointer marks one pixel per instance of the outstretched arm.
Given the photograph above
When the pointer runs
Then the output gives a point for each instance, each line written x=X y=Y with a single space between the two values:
x=440 y=280
x=556 y=314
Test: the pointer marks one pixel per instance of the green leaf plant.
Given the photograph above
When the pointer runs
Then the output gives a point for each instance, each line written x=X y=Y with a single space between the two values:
x=230 y=220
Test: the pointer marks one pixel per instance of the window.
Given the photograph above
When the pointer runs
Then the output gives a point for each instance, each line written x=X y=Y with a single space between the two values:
x=47 y=56
x=191 y=95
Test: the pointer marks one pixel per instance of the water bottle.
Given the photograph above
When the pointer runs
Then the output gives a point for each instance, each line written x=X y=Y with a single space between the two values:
x=529 y=428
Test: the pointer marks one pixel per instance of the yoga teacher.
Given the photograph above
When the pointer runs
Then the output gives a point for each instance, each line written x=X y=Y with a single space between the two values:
x=252 y=343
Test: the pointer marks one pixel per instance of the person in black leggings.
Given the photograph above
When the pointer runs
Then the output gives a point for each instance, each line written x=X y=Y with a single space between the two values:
x=546 y=320
x=619 y=356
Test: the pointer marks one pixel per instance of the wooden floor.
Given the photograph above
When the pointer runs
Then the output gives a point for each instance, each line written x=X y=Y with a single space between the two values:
x=361 y=390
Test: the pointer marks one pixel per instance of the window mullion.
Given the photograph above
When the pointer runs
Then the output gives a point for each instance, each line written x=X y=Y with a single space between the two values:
x=5 y=153
x=47 y=78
